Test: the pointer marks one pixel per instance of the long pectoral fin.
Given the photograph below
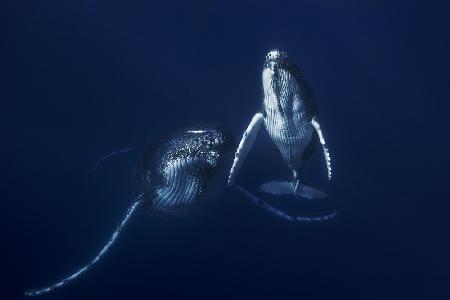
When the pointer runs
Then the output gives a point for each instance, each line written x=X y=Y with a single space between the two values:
x=245 y=145
x=87 y=267
x=326 y=152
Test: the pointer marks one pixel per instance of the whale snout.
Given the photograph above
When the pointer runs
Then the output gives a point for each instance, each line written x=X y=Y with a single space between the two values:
x=275 y=57
x=280 y=73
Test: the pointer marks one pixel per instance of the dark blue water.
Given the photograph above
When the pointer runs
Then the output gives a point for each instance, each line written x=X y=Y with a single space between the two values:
x=85 y=77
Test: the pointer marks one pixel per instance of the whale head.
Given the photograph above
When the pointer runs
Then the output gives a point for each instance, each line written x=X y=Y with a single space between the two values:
x=188 y=165
x=281 y=77
x=210 y=143
x=276 y=58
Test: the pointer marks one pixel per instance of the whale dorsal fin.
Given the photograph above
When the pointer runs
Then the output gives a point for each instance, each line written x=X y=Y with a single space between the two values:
x=245 y=145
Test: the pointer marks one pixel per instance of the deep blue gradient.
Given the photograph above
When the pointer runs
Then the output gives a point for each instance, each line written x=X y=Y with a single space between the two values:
x=81 y=78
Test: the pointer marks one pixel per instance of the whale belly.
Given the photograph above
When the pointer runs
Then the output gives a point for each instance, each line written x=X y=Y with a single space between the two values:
x=291 y=136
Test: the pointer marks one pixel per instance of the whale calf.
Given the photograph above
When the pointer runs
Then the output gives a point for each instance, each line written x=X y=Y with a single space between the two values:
x=178 y=173
x=289 y=114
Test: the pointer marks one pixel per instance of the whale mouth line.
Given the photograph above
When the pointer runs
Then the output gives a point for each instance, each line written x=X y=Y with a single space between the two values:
x=279 y=65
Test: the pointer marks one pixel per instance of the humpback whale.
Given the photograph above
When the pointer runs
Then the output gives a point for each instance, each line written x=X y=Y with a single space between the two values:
x=176 y=174
x=289 y=114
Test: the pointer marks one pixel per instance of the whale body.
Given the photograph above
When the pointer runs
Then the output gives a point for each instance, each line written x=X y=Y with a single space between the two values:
x=288 y=109
x=290 y=117
x=175 y=174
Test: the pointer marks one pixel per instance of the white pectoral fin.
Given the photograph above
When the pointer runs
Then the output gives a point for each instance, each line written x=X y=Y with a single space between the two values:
x=326 y=152
x=245 y=145
x=37 y=292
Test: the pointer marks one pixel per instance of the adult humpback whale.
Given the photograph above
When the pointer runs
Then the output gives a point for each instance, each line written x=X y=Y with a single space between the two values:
x=182 y=171
x=290 y=117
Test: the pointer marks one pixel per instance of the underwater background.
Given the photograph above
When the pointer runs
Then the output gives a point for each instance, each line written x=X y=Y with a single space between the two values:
x=82 y=78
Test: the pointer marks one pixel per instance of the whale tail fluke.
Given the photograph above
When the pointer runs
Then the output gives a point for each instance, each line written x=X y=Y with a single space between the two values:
x=279 y=187
x=131 y=209
x=280 y=213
